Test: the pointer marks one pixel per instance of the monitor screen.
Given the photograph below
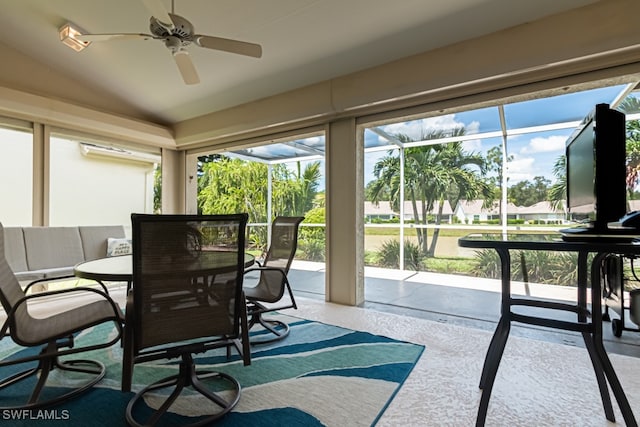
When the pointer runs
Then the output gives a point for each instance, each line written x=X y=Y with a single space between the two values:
x=581 y=174
x=596 y=168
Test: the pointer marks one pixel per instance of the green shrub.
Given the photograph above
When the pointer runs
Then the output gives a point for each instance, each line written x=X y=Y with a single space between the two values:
x=558 y=268
x=311 y=250
x=370 y=258
x=389 y=255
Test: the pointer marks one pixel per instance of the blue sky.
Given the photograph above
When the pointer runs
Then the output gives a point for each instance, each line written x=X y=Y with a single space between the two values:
x=534 y=153
x=537 y=132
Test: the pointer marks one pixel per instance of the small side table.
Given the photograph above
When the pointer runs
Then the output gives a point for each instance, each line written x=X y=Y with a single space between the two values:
x=591 y=330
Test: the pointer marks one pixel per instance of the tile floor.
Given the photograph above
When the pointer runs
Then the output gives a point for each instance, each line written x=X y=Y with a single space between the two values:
x=443 y=390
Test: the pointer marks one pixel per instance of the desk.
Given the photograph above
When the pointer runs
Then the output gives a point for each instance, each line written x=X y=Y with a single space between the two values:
x=591 y=330
x=119 y=269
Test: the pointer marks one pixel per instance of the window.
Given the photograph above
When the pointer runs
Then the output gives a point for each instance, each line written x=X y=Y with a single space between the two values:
x=495 y=168
x=16 y=177
x=283 y=178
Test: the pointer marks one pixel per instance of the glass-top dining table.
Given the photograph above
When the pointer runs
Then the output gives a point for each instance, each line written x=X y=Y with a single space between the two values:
x=119 y=269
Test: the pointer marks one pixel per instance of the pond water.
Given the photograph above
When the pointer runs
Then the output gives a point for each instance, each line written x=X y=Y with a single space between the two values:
x=446 y=246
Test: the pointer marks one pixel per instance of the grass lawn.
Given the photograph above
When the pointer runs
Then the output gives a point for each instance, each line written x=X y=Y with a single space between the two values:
x=450 y=265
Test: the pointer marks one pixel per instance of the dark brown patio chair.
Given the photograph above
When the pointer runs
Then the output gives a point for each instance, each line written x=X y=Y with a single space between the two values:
x=55 y=336
x=186 y=299
x=273 y=281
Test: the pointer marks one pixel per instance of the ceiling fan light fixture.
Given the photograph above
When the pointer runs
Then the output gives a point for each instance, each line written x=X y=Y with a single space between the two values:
x=69 y=36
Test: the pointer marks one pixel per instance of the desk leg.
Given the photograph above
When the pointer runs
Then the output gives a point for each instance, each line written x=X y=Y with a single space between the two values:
x=498 y=341
x=490 y=368
x=583 y=280
x=494 y=353
x=616 y=387
x=596 y=358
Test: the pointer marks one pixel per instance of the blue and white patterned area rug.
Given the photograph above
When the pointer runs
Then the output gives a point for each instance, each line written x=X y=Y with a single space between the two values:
x=320 y=375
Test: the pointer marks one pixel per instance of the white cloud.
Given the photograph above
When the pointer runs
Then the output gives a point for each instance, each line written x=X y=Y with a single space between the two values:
x=541 y=145
x=472 y=146
x=414 y=128
x=520 y=169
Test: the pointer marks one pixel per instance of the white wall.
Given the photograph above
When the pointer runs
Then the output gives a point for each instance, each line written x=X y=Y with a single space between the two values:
x=96 y=190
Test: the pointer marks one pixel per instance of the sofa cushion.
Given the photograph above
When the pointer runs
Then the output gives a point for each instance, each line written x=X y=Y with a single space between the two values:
x=94 y=239
x=14 y=251
x=52 y=247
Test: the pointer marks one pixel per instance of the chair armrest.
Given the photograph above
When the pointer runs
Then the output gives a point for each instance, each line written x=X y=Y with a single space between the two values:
x=267 y=268
x=52 y=279
x=26 y=298
x=44 y=280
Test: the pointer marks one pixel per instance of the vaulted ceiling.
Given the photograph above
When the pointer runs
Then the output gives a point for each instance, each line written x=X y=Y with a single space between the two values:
x=303 y=42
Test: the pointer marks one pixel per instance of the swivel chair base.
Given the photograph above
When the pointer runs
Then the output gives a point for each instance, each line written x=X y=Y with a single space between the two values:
x=275 y=330
x=186 y=377
x=44 y=367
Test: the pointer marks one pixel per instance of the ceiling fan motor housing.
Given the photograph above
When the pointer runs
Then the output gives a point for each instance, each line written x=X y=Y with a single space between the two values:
x=182 y=28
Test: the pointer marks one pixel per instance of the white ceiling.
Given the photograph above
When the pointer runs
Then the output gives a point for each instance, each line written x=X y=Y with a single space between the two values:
x=303 y=41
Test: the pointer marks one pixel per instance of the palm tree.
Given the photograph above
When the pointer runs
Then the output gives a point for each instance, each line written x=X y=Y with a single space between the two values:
x=454 y=175
x=433 y=174
x=307 y=183
x=234 y=185
x=494 y=164
x=632 y=105
x=557 y=194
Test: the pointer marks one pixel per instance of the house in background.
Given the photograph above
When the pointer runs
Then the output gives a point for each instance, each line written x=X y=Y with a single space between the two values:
x=383 y=211
x=540 y=213
x=468 y=211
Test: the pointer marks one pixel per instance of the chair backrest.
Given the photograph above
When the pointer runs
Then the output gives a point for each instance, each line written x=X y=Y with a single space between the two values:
x=11 y=293
x=284 y=242
x=187 y=277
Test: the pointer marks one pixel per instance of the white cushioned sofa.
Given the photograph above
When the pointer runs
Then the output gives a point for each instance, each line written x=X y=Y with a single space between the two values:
x=36 y=253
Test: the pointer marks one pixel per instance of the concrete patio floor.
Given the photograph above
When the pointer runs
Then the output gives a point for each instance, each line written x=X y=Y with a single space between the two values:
x=458 y=300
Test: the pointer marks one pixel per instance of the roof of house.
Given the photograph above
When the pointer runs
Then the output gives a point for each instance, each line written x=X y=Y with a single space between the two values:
x=384 y=208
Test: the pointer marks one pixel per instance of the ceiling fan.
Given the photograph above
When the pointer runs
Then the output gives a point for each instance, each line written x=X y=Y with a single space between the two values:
x=178 y=33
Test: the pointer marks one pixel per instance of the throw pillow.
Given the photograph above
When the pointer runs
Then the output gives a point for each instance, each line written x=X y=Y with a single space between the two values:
x=118 y=247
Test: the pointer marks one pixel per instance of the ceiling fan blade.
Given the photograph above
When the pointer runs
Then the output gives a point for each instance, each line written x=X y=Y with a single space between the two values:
x=186 y=67
x=228 y=45
x=106 y=37
x=158 y=11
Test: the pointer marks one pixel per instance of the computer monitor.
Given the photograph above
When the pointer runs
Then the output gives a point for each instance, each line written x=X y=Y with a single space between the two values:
x=596 y=169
